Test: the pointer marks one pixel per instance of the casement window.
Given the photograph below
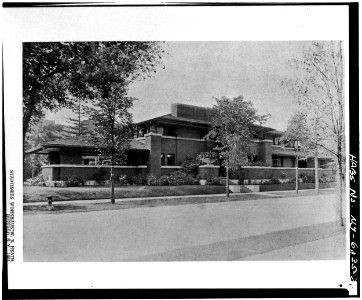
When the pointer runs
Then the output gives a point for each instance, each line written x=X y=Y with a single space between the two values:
x=276 y=141
x=169 y=131
x=162 y=159
x=277 y=162
x=170 y=159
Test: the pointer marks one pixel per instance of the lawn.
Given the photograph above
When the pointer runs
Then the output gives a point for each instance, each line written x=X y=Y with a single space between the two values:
x=40 y=193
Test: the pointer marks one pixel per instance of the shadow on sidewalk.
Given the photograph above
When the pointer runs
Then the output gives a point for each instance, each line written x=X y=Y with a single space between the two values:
x=253 y=247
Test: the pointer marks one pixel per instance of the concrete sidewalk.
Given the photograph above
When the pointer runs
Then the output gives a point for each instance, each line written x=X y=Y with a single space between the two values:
x=233 y=230
x=269 y=194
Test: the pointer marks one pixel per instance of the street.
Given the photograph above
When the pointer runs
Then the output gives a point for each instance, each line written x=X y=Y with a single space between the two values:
x=241 y=230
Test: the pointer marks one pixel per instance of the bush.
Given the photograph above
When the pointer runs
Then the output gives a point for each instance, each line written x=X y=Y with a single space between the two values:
x=181 y=178
x=325 y=178
x=174 y=178
x=307 y=178
x=152 y=180
x=274 y=180
x=37 y=181
x=101 y=176
x=213 y=181
x=191 y=166
x=74 y=181
x=124 y=180
x=139 y=180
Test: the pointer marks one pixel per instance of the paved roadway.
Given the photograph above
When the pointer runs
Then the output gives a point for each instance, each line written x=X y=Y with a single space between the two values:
x=213 y=231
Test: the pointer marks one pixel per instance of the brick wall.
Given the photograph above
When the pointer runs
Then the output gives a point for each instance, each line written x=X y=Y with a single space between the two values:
x=268 y=173
x=87 y=172
x=185 y=148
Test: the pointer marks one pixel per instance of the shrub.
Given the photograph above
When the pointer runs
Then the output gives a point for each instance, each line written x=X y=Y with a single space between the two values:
x=174 y=178
x=37 y=181
x=191 y=166
x=274 y=180
x=181 y=178
x=74 y=181
x=125 y=180
x=213 y=181
x=139 y=180
x=100 y=176
x=325 y=178
x=152 y=180
x=306 y=178
x=163 y=180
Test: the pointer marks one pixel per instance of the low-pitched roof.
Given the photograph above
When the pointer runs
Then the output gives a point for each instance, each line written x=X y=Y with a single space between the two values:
x=81 y=142
x=172 y=118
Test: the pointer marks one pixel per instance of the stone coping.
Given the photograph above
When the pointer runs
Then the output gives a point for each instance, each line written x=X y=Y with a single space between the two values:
x=171 y=167
x=281 y=168
x=209 y=166
x=95 y=166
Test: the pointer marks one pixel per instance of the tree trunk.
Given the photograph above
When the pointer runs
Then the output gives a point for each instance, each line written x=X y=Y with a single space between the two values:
x=227 y=180
x=113 y=201
x=340 y=184
x=296 y=175
x=28 y=114
x=316 y=175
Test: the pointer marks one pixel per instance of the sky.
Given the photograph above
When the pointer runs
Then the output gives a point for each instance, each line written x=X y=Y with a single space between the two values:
x=196 y=72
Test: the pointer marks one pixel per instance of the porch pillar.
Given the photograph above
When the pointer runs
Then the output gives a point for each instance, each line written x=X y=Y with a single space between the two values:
x=154 y=159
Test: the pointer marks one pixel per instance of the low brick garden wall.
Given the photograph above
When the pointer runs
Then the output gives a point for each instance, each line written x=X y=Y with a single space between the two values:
x=286 y=186
x=279 y=173
x=62 y=172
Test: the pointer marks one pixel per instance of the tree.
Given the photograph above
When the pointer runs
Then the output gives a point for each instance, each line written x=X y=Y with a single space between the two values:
x=49 y=71
x=46 y=131
x=109 y=77
x=81 y=125
x=318 y=85
x=112 y=122
x=298 y=134
x=53 y=72
x=233 y=125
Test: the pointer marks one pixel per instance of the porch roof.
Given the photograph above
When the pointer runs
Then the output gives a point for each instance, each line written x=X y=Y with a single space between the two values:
x=81 y=143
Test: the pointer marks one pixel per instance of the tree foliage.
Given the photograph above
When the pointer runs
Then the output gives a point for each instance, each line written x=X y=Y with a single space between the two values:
x=46 y=131
x=318 y=86
x=54 y=71
x=113 y=68
x=233 y=125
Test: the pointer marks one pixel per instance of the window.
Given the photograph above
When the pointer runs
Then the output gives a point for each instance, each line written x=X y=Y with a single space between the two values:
x=277 y=162
x=322 y=163
x=162 y=159
x=168 y=131
x=170 y=159
x=276 y=141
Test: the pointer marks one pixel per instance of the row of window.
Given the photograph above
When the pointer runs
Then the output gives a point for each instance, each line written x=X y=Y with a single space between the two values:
x=291 y=144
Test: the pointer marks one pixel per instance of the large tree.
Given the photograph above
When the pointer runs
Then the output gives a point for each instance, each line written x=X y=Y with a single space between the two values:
x=318 y=85
x=233 y=125
x=54 y=71
x=299 y=135
x=112 y=121
x=109 y=77
x=43 y=132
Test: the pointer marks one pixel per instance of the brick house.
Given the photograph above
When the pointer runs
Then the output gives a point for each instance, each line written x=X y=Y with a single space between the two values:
x=161 y=144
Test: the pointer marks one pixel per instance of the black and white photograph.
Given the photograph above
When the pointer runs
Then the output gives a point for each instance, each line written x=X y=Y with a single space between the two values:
x=199 y=168
x=179 y=152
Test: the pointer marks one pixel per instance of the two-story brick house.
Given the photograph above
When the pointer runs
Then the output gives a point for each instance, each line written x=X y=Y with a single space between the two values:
x=160 y=145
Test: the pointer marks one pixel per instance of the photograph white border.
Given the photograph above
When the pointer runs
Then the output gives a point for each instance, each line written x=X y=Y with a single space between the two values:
x=165 y=23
